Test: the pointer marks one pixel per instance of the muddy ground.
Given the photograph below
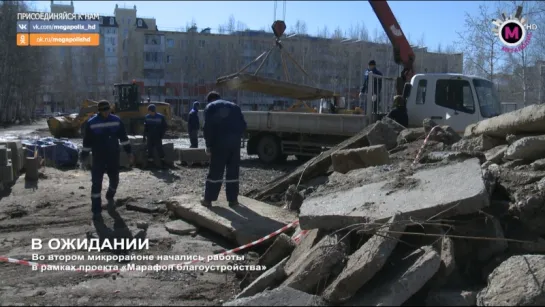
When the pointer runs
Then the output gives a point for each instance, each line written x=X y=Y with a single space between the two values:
x=58 y=206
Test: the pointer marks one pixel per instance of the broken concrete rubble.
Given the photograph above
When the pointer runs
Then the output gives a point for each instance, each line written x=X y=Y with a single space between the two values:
x=421 y=196
x=179 y=227
x=452 y=298
x=269 y=279
x=410 y=135
x=518 y=281
x=374 y=134
x=528 y=149
x=398 y=285
x=365 y=262
x=282 y=246
x=478 y=143
x=284 y=296
x=465 y=216
x=245 y=223
x=323 y=261
x=349 y=159
x=528 y=120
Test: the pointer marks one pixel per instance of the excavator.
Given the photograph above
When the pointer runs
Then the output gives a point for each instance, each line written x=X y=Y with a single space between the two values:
x=126 y=104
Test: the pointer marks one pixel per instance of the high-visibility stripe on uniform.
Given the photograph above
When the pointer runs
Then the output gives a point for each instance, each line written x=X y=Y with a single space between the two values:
x=86 y=149
x=221 y=181
x=96 y=195
x=125 y=143
x=104 y=125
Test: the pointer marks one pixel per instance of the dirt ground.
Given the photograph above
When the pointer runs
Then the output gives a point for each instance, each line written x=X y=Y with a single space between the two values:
x=58 y=206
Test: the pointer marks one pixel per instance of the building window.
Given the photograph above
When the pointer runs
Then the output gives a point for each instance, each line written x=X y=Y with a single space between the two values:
x=112 y=21
x=455 y=95
x=139 y=22
x=125 y=33
x=201 y=43
x=169 y=59
x=129 y=21
x=170 y=43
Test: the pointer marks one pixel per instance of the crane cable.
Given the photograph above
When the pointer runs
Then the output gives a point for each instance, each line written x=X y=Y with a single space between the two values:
x=283 y=8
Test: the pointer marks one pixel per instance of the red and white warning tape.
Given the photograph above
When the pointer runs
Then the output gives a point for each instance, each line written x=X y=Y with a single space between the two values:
x=234 y=250
x=423 y=145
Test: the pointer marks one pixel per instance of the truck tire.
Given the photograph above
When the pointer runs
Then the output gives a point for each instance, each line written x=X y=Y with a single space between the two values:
x=268 y=149
x=303 y=158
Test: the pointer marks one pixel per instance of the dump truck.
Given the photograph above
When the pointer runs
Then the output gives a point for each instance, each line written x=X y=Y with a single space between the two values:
x=127 y=105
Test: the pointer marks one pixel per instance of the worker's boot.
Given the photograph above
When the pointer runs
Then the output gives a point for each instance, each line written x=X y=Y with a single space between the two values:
x=111 y=207
x=206 y=203
x=233 y=203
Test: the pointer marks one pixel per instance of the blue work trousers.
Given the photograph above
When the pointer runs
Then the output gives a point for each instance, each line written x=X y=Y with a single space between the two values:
x=194 y=138
x=155 y=143
x=110 y=166
x=223 y=159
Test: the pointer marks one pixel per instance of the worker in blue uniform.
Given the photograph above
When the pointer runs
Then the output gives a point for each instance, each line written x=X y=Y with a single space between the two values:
x=399 y=112
x=155 y=127
x=377 y=87
x=193 y=125
x=224 y=126
x=104 y=133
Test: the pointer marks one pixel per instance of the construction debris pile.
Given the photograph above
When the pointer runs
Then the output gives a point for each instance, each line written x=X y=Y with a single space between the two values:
x=460 y=225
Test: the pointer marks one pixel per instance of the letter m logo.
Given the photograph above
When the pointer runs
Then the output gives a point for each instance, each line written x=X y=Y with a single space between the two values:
x=511 y=33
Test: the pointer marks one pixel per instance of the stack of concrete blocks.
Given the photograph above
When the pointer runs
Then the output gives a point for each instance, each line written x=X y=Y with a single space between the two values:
x=139 y=150
x=191 y=156
x=6 y=166
x=16 y=154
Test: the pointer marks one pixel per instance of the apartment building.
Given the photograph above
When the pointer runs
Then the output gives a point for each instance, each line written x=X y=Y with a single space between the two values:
x=182 y=66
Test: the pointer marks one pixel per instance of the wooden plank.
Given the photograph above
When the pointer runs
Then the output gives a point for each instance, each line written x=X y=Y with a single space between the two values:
x=273 y=87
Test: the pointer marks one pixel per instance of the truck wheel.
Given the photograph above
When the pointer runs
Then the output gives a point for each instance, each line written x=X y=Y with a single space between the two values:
x=268 y=149
x=303 y=158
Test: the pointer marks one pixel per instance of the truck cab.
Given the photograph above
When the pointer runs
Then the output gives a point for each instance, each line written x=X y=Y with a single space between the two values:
x=455 y=100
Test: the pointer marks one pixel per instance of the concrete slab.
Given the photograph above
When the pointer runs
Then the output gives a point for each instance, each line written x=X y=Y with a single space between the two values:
x=325 y=260
x=400 y=282
x=269 y=279
x=32 y=165
x=193 y=155
x=301 y=250
x=452 y=298
x=528 y=120
x=284 y=296
x=363 y=264
x=346 y=160
x=282 y=247
x=3 y=155
x=420 y=196
x=247 y=222
x=16 y=148
x=6 y=173
x=179 y=227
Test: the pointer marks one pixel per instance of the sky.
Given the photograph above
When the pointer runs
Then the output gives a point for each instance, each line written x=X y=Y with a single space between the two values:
x=437 y=22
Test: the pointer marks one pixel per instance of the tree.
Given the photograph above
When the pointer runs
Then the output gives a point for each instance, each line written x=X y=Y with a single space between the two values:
x=22 y=69
x=481 y=46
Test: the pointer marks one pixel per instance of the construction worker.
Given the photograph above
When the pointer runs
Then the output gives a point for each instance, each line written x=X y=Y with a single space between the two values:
x=103 y=132
x=399 y=113
x=224 y=125
x=155 y=127
x=377 y=87
x=193 y=125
